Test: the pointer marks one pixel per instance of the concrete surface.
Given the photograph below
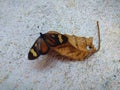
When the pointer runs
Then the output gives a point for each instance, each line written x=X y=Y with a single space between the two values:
x=20 y=18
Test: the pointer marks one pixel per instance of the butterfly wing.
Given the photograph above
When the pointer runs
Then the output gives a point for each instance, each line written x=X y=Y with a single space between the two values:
x=39 y=48
x=55 y=39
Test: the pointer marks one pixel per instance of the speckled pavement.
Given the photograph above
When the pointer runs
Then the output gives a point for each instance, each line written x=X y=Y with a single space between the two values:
x=21 y=18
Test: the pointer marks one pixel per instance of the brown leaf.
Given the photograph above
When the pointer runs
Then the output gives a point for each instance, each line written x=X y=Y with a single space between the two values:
x=77 y=48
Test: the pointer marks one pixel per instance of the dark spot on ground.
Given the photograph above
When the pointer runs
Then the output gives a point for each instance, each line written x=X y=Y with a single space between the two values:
x=37 y=26
x=115 y=76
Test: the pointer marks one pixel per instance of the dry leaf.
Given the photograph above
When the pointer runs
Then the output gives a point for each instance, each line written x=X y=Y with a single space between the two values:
x=77 y=48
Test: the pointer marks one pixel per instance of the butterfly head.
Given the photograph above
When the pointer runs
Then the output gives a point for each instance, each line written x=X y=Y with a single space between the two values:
x=41 y=35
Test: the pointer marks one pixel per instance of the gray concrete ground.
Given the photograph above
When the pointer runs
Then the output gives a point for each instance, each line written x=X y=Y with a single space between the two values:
x=20 y=18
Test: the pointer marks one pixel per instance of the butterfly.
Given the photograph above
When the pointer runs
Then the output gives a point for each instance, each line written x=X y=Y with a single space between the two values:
x=44 y=42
